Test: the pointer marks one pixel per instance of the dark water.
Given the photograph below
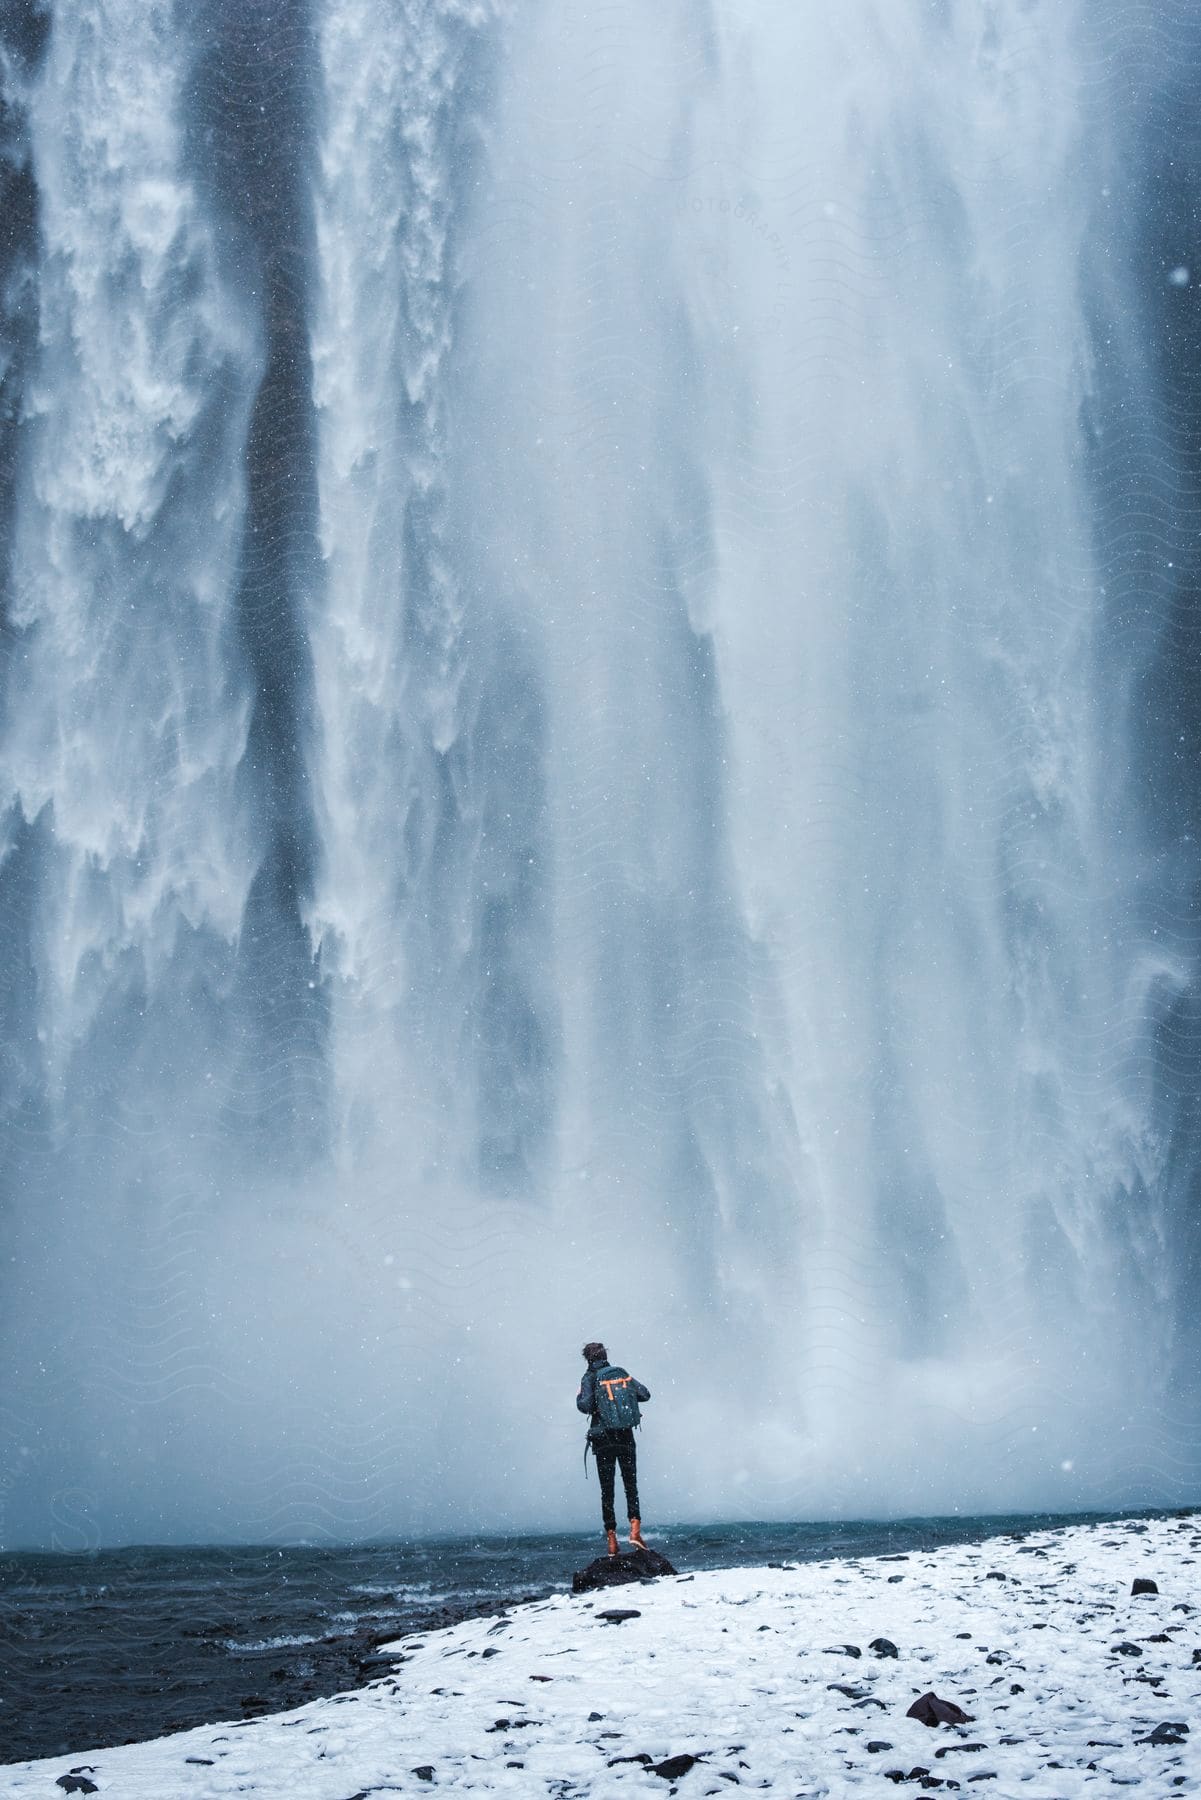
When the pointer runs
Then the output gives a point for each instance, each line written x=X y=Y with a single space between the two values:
x=114 y=1646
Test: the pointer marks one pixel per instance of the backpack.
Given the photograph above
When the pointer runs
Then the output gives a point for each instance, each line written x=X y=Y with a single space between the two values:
x=616 y=1401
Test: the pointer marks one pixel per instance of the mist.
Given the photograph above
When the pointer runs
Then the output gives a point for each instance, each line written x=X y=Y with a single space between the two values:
x=599 y=736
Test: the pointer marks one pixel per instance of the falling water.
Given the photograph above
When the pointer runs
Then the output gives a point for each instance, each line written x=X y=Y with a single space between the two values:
x=598 y=738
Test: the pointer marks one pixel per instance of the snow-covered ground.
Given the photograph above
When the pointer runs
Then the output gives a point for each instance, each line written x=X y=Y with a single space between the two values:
x=765 y=1676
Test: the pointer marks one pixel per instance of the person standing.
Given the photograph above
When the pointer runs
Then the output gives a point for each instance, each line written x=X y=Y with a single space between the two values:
x=611 y=1397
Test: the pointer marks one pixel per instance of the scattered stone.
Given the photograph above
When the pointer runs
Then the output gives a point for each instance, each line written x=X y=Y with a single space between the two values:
x=876 y=1745
x=929 y=1709
x=617 y=1615
x=424 y=1771
x=896 y=1578
x=995 y=1575
x=595 y=1718
x=639 y=1756
x=845 y=1687
x=843 y=1650
x=1171 y=1731
x=207 y=1761
x=1143 y=1586
x=949 y=1749
x=1125 y=1649
x=76 y=1784
x=883 y=1647
x=616 y=1571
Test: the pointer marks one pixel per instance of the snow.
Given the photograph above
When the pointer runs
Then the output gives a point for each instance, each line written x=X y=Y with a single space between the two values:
x=752 y=1672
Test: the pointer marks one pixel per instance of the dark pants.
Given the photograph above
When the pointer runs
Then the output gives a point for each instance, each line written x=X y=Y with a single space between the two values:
x=617 y=1447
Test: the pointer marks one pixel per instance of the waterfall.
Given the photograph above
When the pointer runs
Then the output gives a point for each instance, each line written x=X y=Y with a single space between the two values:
x=596 y=740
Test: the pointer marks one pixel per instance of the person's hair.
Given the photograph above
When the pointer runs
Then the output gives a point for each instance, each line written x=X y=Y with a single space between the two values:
x=593 y=1351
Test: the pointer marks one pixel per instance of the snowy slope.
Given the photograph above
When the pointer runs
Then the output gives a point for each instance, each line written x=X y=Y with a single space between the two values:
x=766 y=1677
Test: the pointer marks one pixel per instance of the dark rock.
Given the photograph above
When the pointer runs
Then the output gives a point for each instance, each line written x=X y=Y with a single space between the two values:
x=883 y=1647
x=877 y=1744
x=639 y=1756
x=672 y=1767
x=594 y=1718
x=950 y=1749
x=76 y=1784
x=1143 y=1586
x=995 y=1575
x=617 y=1615
x=929 y=1709
x=1125 y=1649
x=845 y=1687
x=510 y=1725
x=424 y=1771
x=1172 y=1731
x=616 y=1571
x=843 y=1650
x=899 y=1558
x=206 y=1760
x=1197 y=1656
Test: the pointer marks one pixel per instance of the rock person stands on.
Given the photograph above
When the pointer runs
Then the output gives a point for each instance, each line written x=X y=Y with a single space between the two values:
x=611 y=1396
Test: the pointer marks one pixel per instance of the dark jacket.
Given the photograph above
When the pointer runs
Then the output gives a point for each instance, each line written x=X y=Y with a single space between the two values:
x=586 y=1401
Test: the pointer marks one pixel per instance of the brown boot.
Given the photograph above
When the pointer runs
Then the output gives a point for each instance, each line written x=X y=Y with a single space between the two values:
x=611 y=1540
x=636 y=1537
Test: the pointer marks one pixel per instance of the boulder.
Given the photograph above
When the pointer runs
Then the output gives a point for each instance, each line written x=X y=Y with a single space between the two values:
x=616 y=1571
x=929 y=1709
x=672 y=1767
x=883 y=1647
x=1172 y=1731
x=1141 y=1585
